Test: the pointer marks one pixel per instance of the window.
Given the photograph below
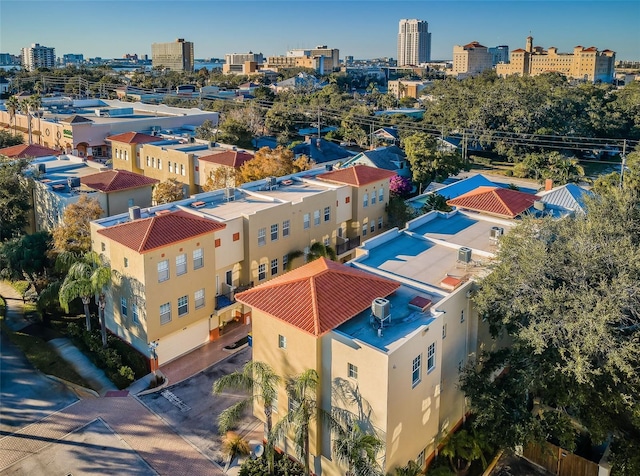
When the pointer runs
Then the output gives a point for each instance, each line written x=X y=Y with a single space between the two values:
x=373 y=197
x=148 y=161
x=380 y=194
x=415 y=370
x=181 y=264
x=130 y=202
x=306 y=220
x=262 y=272
x=431 y=357
x=285 y=228
x=103 y=247
x=316 y=217
x=163 y=270
x=285 y=262
x=165 y=313
x=183 y=305
x=282 y=342
x=365 y=200
x=420 y=460
x=153 y=162
x=135 y=313
x=444 y=330
x=462 y=316
x=352 y=371
x=274 y=403
x=236 y=237
x=364 y=229
x=347 y=200
x=293 y=404
x=182 y=169
x=198 y=258
x=126 y=262
x=274 y=267
x=327 y=213
x=198 y=298
x=123 y=306
x=169 y=166
x=274 y=232
x=380 y=223
x=373 y=226
x=217 y=243
x=160 y=164
x=262 y=236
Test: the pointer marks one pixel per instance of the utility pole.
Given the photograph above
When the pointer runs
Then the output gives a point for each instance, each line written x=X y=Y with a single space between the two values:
x=624 y=161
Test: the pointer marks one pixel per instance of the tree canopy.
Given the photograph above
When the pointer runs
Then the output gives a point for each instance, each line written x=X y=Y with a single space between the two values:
x=272 y=163
x=14 y=199
x=567 y=294
x=428 y=161
x=74 y=234
x=168 y=191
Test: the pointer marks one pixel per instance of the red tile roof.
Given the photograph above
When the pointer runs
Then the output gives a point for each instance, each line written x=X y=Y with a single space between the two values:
x=146 y=234
x=473 y=44
x=26 y=151
x=230 y=158
x=133 y=138
x=116 y=180
x=495 y=200
x=357 y=175
x=318 y=296
x=519 y=50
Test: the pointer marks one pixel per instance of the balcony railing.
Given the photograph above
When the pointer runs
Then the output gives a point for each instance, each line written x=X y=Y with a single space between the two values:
x=348 y=245
x=228 y=297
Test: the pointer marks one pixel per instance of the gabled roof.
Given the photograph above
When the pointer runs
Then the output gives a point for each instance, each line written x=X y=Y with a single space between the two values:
x=390 y=132
x=21 y=151
x=230 y=158
x=146 y=234
x=357 y=175
x=467 y=185
x=567 y=197
x=318 y=296
x=381 y=157
x=327 y=152
x=495 y=200
x=133 y=138
x=116 y=180
x=76 y=119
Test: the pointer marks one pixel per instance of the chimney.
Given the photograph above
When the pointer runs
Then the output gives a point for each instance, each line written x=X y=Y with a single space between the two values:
x=548 y=184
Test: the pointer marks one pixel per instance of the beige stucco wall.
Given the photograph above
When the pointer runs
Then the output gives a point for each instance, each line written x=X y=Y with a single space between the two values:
x=118 y=202
x=185 y=162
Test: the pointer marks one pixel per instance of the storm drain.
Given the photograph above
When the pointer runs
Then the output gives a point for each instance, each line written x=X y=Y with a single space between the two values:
x=169 y=395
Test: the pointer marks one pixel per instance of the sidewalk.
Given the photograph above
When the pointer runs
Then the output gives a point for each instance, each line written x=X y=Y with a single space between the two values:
x=15 y=307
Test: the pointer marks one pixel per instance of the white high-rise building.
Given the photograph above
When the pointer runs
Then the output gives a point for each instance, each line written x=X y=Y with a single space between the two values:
x=414 y=42
x=36 y=56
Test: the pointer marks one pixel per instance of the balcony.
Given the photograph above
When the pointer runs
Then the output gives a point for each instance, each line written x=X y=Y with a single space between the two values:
x=227 y=298
x=347 y=245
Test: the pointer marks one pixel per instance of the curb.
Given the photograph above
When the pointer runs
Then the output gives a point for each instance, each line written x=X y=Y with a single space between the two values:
x=74 y=387
x=155 y=389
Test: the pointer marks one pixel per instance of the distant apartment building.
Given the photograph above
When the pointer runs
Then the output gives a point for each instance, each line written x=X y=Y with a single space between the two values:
x=71 y=59
x=182 y=263
x=321 y=59
x=7 y=59
x=404 y=88
x=470 y=59
x=587 y=64
x=177 y=56
x=242 y=63
x=499 y=54
x=414 y=42
x=37 y=56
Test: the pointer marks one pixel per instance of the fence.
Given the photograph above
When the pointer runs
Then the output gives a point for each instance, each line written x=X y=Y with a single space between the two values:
x=560 y=462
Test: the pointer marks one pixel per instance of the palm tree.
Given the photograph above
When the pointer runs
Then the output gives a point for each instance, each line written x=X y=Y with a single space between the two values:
x=463 y=448
x=357 y=449
x=87 y=276
x=13 y=105
x=410 y=469
x=320 y=250
x=303 y=409
x=261 y=383
x=29 y=106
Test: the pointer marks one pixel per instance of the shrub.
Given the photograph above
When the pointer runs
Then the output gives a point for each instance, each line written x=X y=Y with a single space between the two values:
x=22 y=287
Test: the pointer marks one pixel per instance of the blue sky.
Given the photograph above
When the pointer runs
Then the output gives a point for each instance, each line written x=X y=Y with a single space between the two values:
x=361 y=28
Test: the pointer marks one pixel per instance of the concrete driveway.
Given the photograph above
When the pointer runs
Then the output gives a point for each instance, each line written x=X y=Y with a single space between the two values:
x=26 y=394
x=190 y=408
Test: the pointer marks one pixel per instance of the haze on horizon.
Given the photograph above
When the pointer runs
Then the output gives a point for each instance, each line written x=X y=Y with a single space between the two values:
x=360 y=28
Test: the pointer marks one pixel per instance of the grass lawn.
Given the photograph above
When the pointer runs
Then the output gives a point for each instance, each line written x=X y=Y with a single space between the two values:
x=43 y=357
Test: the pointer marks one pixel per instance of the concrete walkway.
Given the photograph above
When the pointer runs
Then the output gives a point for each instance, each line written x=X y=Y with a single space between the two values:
x=15 y=307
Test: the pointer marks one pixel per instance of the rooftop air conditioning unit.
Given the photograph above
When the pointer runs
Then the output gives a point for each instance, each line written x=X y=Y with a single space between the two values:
x=539 y=205
x=229 y=194
x=73 y=182
x=464 y=255
x=381 y=308
x=42 y=168
x=134 y=213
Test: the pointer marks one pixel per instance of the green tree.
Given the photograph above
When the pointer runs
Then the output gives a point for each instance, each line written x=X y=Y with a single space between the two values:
x=7 y=139
x=435 y=201
x=14 y=199
x=88 y=275
x=320 y=250
x=73 y=235
x=427 y=161
x=463 y=448
x=357 y=450
x=236 y=132
x=27 y=258
x=410 y=469
x=260 y=383
x=30 y=107
x=272 y=163
x=565 y=292
x=398 y=212
x=168 y=191
x=13 y=105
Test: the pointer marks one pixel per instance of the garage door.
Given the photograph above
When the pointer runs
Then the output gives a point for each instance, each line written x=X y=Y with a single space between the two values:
x=183 y=341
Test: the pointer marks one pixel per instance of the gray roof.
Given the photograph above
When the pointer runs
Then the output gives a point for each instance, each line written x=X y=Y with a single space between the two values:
x=382 y=157
x=569 y=197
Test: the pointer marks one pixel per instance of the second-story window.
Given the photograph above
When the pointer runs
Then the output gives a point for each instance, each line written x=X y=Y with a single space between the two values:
x=274 y=232
x=373 y=197
x=285 y=228
x=327 y=213
x=365 y=200
x=262 y=236
x=181 y=264
x=316 y=217
x=380 y=194
x=163 y=270
x=306 y=219
x=198 y=258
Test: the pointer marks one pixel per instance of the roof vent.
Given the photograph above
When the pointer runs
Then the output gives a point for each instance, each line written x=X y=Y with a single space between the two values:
x=464 y=255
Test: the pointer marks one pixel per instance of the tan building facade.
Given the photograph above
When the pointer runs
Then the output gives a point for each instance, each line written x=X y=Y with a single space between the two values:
x=177 y=56
x=587 y=64
x=471 y=59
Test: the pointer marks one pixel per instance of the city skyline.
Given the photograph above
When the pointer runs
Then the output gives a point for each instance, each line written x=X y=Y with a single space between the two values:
x=358 y=28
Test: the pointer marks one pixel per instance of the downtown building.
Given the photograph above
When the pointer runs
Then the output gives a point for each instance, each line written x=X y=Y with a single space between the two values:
x=471 y=59
x=177 y=56
x=414 y=42
x=37 y=56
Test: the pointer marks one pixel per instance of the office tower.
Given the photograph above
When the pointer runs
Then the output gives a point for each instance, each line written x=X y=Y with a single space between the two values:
x=414 y=42
x=36 y=56
x=177 y=56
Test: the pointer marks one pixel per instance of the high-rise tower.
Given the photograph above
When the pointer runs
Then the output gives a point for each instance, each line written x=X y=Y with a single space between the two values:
x=414 y=42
